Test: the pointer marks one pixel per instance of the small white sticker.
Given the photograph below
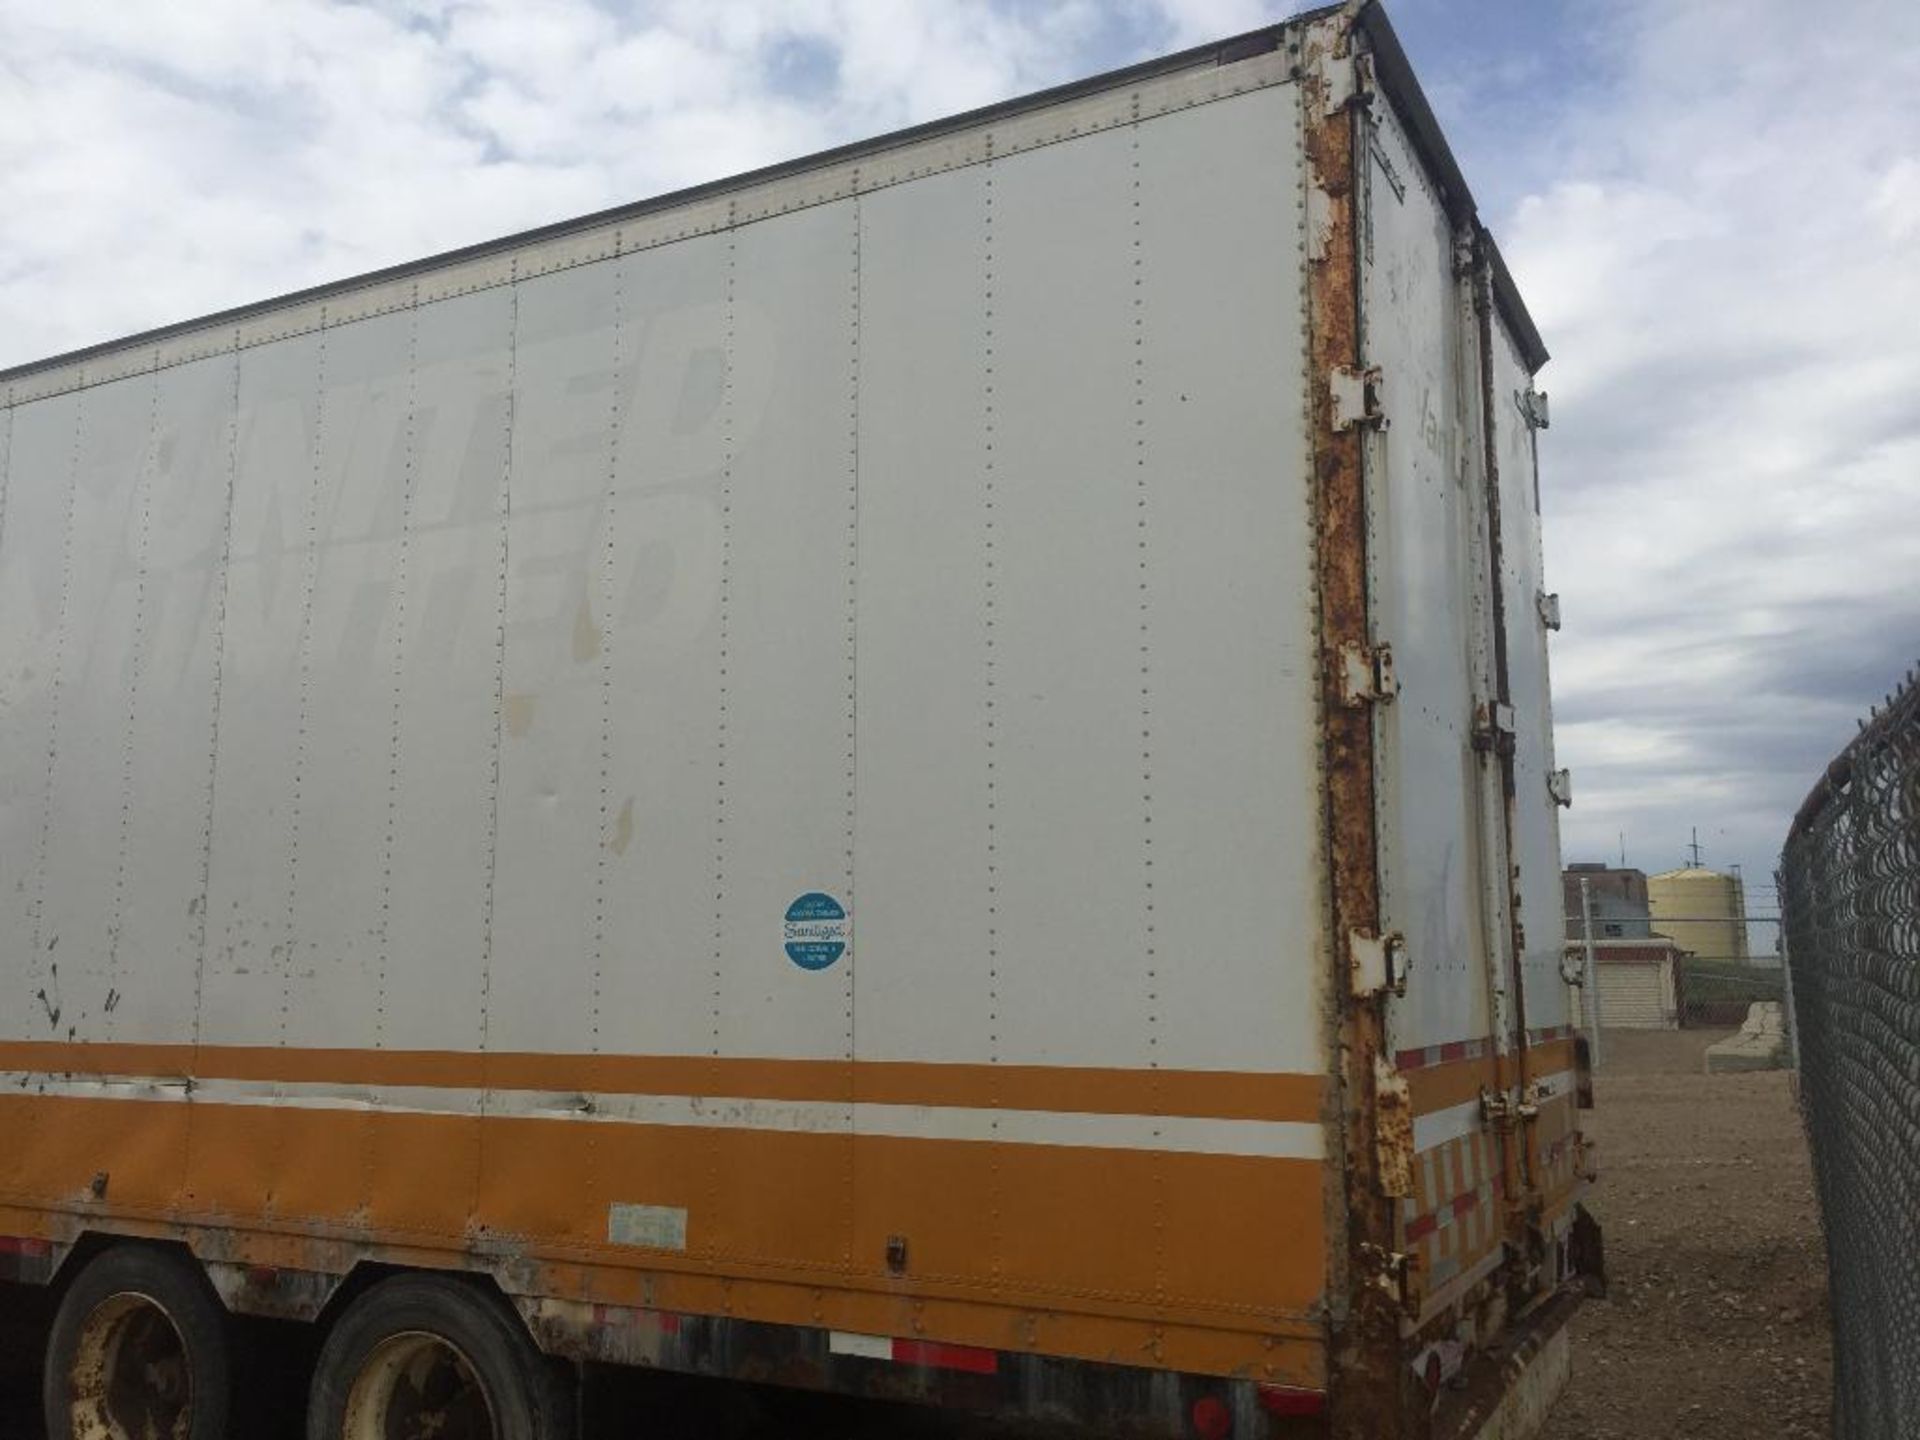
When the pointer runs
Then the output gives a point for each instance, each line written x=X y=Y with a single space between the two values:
x=658 y=1227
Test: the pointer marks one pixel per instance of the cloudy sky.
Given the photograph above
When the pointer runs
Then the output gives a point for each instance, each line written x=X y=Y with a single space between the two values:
x=1713 y=207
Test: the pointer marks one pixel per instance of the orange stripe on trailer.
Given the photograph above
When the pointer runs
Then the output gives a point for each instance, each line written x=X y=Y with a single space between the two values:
x=1228 y=1243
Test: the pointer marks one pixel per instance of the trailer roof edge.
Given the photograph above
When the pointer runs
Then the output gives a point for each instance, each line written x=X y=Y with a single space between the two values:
x=1395 y=74
x=1392 y=66
x=1218 y=52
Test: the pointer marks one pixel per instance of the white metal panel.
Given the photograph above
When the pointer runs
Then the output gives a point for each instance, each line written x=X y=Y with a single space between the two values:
x=446 y=697
x=1536 y=813
x=265 y=701
x=786 y=801
x=1069 y=837
x=1424 y=513
x=1222 y=503
x=343 y=877
x=924 y=987
x=94 y=688
x=657 y=583
x=33 y=527
x=169 y=786
x=543 y=986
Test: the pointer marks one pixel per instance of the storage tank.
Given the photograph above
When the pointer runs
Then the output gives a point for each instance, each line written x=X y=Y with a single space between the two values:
x=1701 y=909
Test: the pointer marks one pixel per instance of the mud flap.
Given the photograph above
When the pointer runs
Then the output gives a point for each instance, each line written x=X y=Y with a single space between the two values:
x=1506 y=1395
x=1587 y=1252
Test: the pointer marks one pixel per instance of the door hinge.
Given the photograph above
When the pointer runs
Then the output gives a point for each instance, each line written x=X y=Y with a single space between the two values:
x=1493 y=728
x=1549 y=610
x=1560 y=786
x=1358 y=402
x=1378 y=963
x=1366 y=675
x=1395 y=1272
x=1533 y=405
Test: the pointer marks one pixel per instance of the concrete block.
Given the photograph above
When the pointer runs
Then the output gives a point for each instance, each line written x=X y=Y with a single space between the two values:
x=1760 y=1045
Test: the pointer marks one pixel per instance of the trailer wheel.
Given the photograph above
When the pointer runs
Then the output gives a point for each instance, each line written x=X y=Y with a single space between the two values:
x=432 y=1355
x=138 y=1351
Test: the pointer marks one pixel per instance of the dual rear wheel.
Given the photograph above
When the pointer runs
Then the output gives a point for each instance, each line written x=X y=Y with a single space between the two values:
x=141 y=1349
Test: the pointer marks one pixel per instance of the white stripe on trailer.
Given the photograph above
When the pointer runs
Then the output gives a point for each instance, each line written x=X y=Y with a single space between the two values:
x=1187 y=1134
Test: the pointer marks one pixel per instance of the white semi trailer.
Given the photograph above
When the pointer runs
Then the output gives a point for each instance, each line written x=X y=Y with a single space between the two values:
x=927 y=773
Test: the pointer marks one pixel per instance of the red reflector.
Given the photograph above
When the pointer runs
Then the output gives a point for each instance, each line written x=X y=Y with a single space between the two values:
x=946 y=1357
x=1211 y=1418
x=24 y=1245
x=1284 y=1400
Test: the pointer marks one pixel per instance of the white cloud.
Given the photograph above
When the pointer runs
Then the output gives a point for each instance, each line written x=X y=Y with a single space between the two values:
x=158 y=162
x=1725 y=269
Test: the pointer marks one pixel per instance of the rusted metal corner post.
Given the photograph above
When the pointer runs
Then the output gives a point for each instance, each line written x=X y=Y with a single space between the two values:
x=1372 y=1393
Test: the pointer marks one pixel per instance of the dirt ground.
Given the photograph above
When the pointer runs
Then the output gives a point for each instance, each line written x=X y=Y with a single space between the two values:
x=1716 y=1324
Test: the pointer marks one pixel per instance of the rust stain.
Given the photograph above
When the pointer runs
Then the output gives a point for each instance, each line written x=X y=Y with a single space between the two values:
x=518 y=715
x=1393 y=1129
x=586 y=634
x=622 y=829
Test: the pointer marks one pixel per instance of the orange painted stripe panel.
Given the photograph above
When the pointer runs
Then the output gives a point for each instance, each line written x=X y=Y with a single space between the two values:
x=1227 y=1095
x=1240 y=1238
x=1279 y=1350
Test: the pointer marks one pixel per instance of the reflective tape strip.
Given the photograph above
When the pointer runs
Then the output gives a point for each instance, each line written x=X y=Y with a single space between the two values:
x=929 y=1353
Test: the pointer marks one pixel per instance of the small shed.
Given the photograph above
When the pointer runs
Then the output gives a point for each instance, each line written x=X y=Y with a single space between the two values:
x=1639 y=983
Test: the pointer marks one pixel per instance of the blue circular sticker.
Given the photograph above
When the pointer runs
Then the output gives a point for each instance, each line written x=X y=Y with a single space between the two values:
x=816 y=931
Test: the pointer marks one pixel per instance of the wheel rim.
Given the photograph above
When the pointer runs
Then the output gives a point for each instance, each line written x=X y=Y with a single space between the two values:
x=418 y=1386
x=130 y=1376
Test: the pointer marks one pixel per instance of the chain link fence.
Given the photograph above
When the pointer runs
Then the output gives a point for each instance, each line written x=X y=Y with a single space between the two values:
x=1850 y=891
x=1718 y=992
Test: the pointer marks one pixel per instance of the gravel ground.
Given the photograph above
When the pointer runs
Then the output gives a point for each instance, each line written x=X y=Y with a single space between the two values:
x=1716 y=1325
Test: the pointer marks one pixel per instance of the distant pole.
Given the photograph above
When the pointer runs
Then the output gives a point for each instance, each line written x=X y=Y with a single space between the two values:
x=1593 y=971
x=1694 y=848
x=1623 y=849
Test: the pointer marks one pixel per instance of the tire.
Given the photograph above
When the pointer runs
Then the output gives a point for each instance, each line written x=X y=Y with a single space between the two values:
x=138 y=1347
x=438 y=1355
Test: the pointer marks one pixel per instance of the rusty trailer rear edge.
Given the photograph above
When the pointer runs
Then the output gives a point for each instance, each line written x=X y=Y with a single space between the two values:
x=1371 y=1390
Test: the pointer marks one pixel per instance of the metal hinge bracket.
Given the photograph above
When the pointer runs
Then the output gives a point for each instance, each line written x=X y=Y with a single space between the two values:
x=1500 y=1110
x=1358 y=402
x=1366 y=675
x=1493 y=728
x=1549 y=610
x=1533 y=405
x=1560 y=786
x=1377 y=963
